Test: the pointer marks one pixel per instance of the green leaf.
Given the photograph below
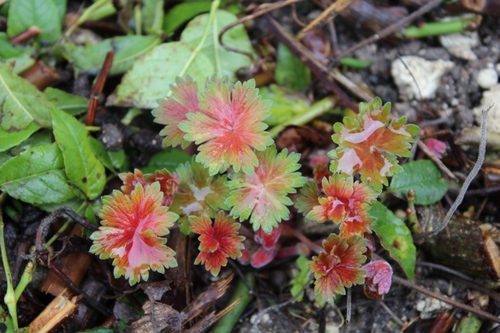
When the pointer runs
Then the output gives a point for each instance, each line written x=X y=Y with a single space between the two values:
x=395 y=237
x=73 y=204
x=61 y=8
x=37 y=176
x=286 y=104
x=290 y=71
x=20 y=56
x=150 y=77
x=101 y=153
x=39 y=138
x=9 y=140
x=300 y=277
x=168 y=159
x=119 y=159
x=152 y=16
x=72 y=104
x=182 y=13
x=81 y=164
x=24 y=14
x=424 y=178
x=89 y=59
x=21 y=103
x=225 y=62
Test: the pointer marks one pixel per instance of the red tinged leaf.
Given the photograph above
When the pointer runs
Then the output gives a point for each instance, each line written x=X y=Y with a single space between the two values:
x=369 y=144
x=169 y=183
x=173 y=110
x=229 y=126
x=262 y=257
x=338 y=266
x=378 y=279
x=217 y=241
x=268 y=241
x=131 y=231
x=347 y=202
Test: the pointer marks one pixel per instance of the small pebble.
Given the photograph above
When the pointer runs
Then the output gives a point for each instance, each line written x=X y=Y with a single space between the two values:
x=487 y=78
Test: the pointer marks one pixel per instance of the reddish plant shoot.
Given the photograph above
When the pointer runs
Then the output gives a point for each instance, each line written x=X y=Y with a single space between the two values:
x=169 y=183
x=338 y=266
x=229 y=126
x=217 y=242
x=378 y=279
x=369 y=144
x=131 y=233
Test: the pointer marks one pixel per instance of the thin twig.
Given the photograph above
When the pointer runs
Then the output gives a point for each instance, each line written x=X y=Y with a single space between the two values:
x=96 y=92
x=468 y=180
x=392 y=28
x=446 y=300
x=391 y=313
x=326 y=16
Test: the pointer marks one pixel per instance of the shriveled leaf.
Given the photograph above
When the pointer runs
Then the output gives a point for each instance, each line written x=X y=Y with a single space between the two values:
x=89 y=59
x=9 y=140
x=395 y=237
x=290 y=71
x=37 y=176
x=263 y=194
x=225 y=62
x=72 y=104
x=150 y=77
x=21 y=103
x=24 y=14
x=168 y=159
x=83 y=168
x=424 y=178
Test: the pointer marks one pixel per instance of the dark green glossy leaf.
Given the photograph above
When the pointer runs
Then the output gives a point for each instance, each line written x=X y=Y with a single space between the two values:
x=101 y=153
x=9 y=140
x=72 y=104
x=83 y=168
x=290 y=71
x=182 y=13
x=39 y=138
x=119 y=159
x=37 y=176
x=21 y=103
x=395 y=237
x=89 y=59
x=167 y=159
x=74 y=204
x=45 y=14
x=424 y=178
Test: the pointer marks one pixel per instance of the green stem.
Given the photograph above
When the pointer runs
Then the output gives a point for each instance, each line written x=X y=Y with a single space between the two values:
x=227 y=322
x=415 y=226
x=10 y=295
x=213 y=9
x=6 y=320
x=355 y=63
x=97 y=11
x=439 y=28
x=315 y=110
x=25 y=278
x=215 y=37
x=64 y=227
x=138 y=20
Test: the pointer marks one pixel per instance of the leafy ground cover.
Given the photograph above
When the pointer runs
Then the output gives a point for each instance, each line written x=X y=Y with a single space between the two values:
x=226 y=166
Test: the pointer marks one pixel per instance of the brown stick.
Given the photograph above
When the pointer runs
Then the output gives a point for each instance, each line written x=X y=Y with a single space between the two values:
x=325 y=16
x=96 y=91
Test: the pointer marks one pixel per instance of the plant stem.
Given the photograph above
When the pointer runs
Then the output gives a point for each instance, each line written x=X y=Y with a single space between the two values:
x=98 y=10
x=315 y=110
x=10 y=295
x=439 y=28
x=138 y=20
x=213 y=9
x=227 y=322
x=25 y=278
x=415 y=226
x=63 y=228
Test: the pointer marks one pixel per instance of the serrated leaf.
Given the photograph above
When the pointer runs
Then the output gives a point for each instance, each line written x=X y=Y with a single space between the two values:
x=395 y=237
x=168 y=159
x=9 y=140
x=89 y=59
x=24 y=14
x=69 y=103
x=424 y=178
x=264 y=194
x=21 y=103
x=225 y=62
x=150 y=77
x=83 y=168
x=37 y=176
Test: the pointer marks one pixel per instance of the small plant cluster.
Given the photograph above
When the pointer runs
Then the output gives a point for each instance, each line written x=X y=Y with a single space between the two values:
x=238 y=175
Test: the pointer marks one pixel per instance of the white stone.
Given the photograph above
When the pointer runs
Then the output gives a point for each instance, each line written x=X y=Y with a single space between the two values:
x=426 y=76
x=460 y=44
x=490 y=97
x=487 y=78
